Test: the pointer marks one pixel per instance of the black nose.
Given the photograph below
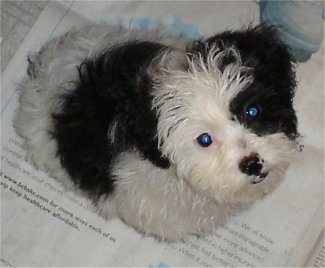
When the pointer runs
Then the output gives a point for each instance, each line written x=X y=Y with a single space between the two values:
x=251 y=165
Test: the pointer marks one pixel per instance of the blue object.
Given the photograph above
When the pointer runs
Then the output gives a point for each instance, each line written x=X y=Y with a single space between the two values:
x=253 y=111
x=160 y=265
x=301 y=24
x=177 y=27
x=204 y=140
x=180 y=28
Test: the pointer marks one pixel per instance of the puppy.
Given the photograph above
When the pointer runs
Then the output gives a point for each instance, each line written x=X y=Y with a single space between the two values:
x=171 y=135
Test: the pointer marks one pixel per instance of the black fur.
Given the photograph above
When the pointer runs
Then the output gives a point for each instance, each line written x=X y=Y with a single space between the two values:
x=274 y=82
x=113 y=88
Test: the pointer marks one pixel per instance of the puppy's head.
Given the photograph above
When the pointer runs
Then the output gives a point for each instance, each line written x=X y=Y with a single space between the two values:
x=226 y=120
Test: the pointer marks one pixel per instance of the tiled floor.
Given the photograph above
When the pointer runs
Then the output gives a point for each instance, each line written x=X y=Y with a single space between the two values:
x=17 y=17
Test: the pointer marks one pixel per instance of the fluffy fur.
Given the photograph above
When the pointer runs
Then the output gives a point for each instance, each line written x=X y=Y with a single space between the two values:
x=117 y=113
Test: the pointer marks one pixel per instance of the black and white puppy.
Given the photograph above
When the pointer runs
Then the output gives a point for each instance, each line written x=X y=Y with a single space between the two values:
x=171 y=135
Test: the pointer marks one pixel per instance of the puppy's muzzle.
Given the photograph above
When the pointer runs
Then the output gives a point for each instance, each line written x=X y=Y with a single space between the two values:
x=252 y=165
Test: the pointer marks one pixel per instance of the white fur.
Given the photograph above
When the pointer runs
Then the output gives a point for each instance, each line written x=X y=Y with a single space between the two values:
x=203 y=186
x=156 y=202
x=196 y=102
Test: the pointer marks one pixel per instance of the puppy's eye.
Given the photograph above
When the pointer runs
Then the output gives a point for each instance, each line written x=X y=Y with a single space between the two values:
x=204 y=140
x=253 y=111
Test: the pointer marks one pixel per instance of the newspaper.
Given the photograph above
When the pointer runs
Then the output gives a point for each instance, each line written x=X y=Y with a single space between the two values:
x=44 y=225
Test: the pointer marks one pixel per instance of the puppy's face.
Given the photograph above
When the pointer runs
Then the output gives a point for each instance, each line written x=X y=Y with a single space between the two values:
x=226 y=121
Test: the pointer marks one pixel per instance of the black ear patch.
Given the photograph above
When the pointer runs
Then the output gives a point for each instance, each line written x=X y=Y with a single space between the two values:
x=260 y=48
x=274 y=81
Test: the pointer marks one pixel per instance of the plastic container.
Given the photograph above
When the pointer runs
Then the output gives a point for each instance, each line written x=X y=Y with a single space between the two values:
x=301 y=24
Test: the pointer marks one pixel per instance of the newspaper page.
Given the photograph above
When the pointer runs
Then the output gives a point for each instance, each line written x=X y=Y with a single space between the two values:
x=317 y=258
x=17 y=17
x=44 y=225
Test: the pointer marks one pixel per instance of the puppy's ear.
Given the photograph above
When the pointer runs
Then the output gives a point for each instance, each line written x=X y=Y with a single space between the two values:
x=260 y=43
x=261 y=49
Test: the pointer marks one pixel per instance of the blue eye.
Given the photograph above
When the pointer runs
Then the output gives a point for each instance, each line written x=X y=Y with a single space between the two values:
x=204 y=140
x=253 y=111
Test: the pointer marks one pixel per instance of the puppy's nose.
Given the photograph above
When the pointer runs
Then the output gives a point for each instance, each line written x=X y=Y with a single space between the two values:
x=251 y=165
